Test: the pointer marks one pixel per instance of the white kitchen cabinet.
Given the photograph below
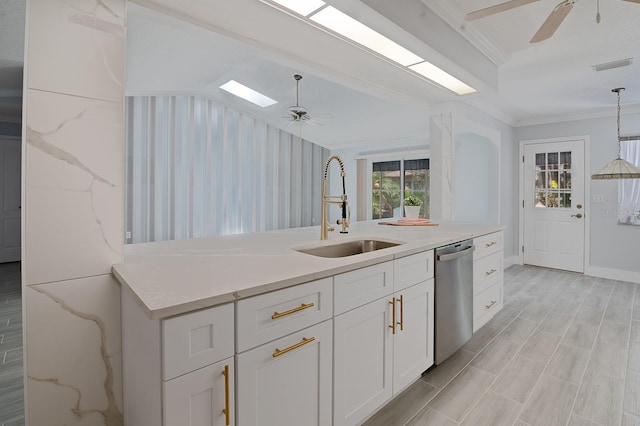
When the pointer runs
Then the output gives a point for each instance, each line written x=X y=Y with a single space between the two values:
x=204 y=397
x=173 y=368
x=384 y=345
x=287 y=381
x=413 y=341
x=488 y=266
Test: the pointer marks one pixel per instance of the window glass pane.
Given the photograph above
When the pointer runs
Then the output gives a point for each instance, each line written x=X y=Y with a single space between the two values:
x=541 y=161
x=565 y=160
x=552 y=160
x=553 y=180
x=416 y=183
x=540 y=179
x=541 y=199
x=386 y=189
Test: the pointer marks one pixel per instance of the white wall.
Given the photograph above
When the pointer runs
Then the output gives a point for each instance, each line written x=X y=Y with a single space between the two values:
x=615 y=249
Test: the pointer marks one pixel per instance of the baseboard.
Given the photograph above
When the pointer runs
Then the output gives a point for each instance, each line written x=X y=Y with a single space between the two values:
x=513 y=260
x=613 y=274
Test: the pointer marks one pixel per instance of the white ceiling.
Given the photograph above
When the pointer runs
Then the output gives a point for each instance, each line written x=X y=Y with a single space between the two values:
x=371 y=99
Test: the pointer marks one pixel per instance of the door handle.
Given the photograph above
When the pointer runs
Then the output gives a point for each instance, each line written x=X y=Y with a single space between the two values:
x=579 y=215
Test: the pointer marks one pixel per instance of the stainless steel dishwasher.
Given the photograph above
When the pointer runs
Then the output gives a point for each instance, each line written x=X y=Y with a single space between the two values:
x=453 y=298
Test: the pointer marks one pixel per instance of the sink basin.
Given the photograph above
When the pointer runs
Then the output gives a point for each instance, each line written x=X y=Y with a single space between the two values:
x=348 y=248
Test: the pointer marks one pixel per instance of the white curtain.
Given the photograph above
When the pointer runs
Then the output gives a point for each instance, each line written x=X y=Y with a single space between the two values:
x=629 y=189
x=195 y=168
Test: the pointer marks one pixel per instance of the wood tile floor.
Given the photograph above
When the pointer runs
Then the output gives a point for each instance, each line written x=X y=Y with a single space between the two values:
x=565 y=350
x=11 y=372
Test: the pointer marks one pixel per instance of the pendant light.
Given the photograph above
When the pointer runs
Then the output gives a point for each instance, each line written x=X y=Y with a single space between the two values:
x=618 y=168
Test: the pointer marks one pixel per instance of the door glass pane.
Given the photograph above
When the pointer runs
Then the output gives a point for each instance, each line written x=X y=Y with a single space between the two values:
x=553 y=180
x=416 y=183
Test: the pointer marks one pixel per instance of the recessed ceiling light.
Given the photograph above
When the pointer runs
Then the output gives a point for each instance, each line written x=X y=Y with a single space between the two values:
x=443 y=78
x=303 y=7
x=343 y=24
x=247 y=93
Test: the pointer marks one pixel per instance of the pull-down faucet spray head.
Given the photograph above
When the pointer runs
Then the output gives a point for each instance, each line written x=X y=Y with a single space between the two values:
x=327 y=199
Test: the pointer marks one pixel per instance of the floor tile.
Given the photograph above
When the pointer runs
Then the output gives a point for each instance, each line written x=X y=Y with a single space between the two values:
x=550 y=403
x=540 y=346
x=581 y=421
x=457 y=399
x=432 y=418
x=580 y=335
x=635 y=331
x=617 y=314
x=441 y=374
x=632 y=393
x=555 y=323
x=566 y=306
x=535 y=312
x=495 y=357
x=493 y=410
x=610 y=360
x=404 y=406
x=614 y=334
x=490 y=330
x=518 y=302
x=634 y=356
x=629 y=419
x=519 y=330
x=589 y=316
x=600 y=399
x=519 y=378
x=568 y=363
x=621 y=301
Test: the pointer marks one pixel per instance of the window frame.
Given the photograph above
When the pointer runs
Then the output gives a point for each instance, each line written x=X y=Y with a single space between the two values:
x=387 y=156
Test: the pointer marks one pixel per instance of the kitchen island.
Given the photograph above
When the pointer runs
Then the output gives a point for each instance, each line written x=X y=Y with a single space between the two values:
x=211 y=323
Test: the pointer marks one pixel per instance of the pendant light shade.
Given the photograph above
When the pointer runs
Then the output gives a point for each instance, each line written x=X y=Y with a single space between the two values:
x=618 y=168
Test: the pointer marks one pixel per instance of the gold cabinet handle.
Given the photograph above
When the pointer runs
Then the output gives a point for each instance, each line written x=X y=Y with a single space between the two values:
x=302 y=307
x=401 y=322
x=304 y=341
x=493 y=302
x=492 y=271
x=393 y=316
x=226 y=410
x=492 y=243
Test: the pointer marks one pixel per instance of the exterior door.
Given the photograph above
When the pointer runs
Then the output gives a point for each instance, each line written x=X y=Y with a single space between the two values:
x=554 y=199
x=10 y=161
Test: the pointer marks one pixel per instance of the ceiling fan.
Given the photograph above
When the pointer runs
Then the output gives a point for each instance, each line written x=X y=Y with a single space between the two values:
x=298 y=114
x=549 y=26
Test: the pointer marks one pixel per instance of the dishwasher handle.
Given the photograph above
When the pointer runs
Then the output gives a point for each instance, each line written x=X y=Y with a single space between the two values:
x=452 y=256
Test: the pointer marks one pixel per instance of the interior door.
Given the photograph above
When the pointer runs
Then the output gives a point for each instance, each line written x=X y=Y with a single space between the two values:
x=10 y=163
x=554 y=216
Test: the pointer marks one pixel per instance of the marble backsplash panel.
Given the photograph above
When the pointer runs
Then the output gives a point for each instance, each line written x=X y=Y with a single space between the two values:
x=74 y=368
x=77 y=47
x=73 y=186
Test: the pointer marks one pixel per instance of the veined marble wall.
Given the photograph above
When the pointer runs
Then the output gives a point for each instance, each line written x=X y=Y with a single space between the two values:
x=73 y=144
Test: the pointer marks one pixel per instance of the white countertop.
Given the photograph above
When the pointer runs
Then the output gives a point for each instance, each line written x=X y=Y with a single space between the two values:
x=173 y=277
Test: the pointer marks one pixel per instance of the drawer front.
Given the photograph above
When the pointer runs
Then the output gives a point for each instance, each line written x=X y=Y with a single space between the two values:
x=413 y=269
x=194 y=340
x=487 y=271
x=489 y=300
x=269 y=316
x=355 y=288
x=488 y=244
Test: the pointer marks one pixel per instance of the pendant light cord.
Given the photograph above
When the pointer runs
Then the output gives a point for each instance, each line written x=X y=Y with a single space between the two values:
x=618 y=92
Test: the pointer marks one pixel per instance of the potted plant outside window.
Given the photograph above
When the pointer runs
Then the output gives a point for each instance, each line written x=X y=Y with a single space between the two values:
x=411 y=206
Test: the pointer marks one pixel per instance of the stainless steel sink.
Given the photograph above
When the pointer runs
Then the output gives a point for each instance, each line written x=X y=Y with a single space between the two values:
x=348 y=248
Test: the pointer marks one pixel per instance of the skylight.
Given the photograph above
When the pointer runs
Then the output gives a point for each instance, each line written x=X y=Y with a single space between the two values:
x=441 y=77
x=303 y=7
x=345 y=25
x=247 y=93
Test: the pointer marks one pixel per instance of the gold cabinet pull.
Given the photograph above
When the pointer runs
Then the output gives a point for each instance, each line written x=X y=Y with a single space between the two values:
x=492 y=243
x=393 y=316
x=493 y=302
x=401 y=322
x=302 y=307
x=492 y=271
x=304 y=341
x=226 y=410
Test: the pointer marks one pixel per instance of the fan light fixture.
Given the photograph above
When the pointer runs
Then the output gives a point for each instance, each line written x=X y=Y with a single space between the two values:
x=618 y=168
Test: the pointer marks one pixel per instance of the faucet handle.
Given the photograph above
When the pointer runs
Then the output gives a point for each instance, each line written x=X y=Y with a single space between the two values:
x=345 y=221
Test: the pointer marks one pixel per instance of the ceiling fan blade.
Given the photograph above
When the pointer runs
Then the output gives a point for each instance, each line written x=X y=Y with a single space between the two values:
x=553 y=21
x=492 y=10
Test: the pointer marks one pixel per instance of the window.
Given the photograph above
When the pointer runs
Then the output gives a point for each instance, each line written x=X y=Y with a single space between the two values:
x=392 y=181
x=629 y=189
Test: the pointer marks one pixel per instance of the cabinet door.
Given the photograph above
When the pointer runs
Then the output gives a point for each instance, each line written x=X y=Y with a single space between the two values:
x=287 y=381
x=413 y=341
x=204 y=397
x=363 y=348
